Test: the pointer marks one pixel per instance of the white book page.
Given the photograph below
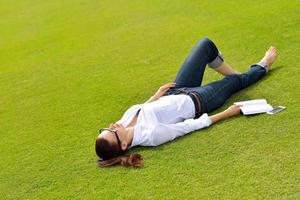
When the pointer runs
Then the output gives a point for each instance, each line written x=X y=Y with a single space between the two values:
x=255 y=109
x=251 y=102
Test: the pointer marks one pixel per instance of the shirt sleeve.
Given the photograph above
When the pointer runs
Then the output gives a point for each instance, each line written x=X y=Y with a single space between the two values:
x=163 y=133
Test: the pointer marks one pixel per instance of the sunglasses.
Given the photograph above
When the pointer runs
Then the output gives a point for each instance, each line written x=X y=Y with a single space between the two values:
x=115 y=132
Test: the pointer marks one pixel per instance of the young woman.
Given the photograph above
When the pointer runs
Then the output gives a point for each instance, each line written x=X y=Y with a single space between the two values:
x=178 y=108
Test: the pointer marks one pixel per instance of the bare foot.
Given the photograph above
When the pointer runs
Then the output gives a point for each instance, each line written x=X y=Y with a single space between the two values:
x=270 y=56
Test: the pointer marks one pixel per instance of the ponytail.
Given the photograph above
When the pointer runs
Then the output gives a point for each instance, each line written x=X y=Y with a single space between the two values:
x=132 y=160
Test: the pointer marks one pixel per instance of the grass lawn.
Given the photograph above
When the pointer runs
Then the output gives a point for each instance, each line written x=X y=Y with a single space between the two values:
x=70 y=67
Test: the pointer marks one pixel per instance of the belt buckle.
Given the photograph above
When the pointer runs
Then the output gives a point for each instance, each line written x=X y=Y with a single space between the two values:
x=182 y=90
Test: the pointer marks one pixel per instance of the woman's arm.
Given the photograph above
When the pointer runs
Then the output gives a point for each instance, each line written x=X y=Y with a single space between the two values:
x=161 y=91
x=229 y=112
x=162 y=133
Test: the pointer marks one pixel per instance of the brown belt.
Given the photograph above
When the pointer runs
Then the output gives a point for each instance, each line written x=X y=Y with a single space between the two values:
x=198 y=105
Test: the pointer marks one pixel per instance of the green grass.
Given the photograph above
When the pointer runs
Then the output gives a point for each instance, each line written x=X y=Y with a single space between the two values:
x=68 y=68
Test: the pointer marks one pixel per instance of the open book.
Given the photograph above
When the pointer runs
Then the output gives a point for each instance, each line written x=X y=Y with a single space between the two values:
x=254 y=106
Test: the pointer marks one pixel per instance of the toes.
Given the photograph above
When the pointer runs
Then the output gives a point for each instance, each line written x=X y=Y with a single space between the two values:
x=272 y=50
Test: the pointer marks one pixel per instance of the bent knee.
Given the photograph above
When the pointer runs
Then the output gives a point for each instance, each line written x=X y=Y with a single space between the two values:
x=206 y=41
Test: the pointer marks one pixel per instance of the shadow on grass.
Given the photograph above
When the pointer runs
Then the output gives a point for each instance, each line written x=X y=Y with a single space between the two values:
x=274 y=70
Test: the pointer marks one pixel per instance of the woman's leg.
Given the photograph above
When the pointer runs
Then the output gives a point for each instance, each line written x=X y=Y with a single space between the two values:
x=226 y=69
x=216 y=93
x=192 y=70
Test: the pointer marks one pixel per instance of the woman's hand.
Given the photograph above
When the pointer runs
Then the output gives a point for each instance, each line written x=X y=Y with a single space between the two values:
x=233 y=110
x=229 y=112
x=161 y=91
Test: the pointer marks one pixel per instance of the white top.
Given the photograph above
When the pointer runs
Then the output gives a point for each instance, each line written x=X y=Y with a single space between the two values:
x=163 y=120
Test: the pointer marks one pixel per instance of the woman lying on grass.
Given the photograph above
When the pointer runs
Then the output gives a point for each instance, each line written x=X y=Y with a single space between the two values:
x=178 y=108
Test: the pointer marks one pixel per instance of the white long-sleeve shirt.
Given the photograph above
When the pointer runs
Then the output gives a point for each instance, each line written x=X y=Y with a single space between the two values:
x=163 y=120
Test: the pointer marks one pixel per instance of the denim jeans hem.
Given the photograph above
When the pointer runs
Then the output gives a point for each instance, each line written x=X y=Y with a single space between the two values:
x=262 y=65
x=217 y=61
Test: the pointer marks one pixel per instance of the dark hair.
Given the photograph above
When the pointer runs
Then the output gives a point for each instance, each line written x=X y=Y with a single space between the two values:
x=110 y=154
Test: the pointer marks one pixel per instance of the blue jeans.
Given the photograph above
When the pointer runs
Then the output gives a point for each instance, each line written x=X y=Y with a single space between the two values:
x=212 y=95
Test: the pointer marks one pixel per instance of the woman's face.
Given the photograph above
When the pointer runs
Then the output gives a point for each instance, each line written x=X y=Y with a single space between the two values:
x=116 y=135
x=108 y=136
